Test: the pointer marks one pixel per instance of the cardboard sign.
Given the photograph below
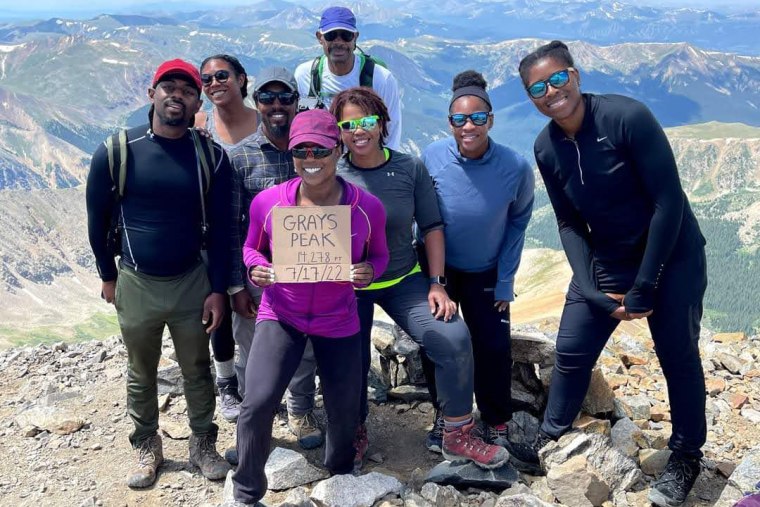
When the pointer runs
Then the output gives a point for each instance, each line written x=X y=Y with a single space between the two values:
x=311 y=243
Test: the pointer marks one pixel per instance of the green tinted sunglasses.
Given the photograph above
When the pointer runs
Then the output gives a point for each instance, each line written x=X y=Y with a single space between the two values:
x=366 y=123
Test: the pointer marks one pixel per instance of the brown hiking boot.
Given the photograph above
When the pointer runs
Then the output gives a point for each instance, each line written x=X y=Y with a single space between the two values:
x=464 y=444
x=150 y=455
x=203 y=455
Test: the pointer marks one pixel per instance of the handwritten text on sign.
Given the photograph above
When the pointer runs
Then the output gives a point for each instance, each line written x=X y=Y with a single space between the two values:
x=311 y=243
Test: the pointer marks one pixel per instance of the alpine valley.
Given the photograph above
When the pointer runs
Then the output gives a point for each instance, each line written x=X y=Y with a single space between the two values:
x=65 y=84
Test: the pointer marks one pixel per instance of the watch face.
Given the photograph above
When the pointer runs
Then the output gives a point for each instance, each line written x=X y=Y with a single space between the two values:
x=440 y=280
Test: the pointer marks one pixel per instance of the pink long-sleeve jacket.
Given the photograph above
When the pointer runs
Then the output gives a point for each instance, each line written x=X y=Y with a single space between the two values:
x=322 y=308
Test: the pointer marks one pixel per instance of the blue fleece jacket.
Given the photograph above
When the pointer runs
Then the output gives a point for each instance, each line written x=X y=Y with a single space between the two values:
x=485 y=204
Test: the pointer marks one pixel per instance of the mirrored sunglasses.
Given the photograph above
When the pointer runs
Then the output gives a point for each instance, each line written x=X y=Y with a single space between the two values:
x=366 y=123
x=478 y=118
x=556 y=80
x=314 y=152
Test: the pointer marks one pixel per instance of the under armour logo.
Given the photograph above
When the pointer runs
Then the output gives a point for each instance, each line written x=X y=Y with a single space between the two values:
x=391 y=173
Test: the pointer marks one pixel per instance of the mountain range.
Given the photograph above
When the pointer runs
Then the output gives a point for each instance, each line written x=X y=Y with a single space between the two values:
x=66 y=83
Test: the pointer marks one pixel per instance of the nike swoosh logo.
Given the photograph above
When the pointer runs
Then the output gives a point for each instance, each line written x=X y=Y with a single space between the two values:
x=600 y=139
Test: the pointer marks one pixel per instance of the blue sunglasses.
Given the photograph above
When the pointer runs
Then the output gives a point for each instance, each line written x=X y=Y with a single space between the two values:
x=556 y=80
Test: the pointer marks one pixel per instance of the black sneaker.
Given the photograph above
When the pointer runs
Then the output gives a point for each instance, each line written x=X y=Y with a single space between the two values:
x=229 y=401
x=676 y=481
x=522 y=456
x=434 y=440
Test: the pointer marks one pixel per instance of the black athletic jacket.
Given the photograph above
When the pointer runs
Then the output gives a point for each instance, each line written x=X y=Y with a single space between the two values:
x=621 y=211
x=161 y=209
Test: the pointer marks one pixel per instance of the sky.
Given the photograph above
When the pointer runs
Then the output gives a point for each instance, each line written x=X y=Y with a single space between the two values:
x=13 y=9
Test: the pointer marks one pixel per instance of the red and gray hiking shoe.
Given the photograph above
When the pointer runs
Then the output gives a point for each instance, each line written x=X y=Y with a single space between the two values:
x=464 y=444
x=361 y=444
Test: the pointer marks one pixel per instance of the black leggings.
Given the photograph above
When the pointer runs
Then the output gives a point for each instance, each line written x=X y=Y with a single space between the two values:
x=491 y=346
x=275 y=355
x=674 y=324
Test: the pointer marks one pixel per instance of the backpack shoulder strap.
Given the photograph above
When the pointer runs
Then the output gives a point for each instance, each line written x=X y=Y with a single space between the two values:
x=315 y=87
x=204 y=153
x=117 y=145
x=367 y=70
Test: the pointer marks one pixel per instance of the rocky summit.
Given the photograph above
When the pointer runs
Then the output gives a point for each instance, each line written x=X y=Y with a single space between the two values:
x=64 y=427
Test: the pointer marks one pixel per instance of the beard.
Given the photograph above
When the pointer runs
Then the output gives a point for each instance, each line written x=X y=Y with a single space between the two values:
x=174 y=119
x=278 y=131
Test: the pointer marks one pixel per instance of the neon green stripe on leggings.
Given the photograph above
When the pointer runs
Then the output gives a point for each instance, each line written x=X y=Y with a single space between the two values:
x=391 y=283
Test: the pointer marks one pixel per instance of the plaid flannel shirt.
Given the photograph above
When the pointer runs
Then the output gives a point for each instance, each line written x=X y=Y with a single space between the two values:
x=257 y=165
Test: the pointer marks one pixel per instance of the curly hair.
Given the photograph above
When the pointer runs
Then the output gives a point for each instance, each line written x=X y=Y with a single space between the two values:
x=368 y=101
x=470 y=83
x=555 y=49
x=468 y=78
x=237 y=69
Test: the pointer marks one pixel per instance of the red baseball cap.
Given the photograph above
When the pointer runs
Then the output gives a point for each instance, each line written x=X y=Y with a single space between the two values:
x=178 y=66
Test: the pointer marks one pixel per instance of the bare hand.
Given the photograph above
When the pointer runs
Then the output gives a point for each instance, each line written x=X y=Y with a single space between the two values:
x=362 y=274
x=213 y=307
x=204 y=132
x=620 y=312
x=108 y=291
x=501 y=306
x=262 y=276
x=440 y=304
x=243 y=304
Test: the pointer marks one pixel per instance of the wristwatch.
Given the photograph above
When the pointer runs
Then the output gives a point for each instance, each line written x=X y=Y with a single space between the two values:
x=440 y=280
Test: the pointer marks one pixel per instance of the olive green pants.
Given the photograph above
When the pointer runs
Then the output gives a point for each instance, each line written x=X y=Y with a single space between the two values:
x=144 y=305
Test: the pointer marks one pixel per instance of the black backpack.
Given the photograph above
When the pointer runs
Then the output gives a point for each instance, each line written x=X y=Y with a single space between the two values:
x=116 y=147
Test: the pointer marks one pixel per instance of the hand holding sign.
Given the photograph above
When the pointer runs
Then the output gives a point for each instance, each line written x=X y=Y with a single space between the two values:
x=312 y=244
x=362 y=274
x=262 y=275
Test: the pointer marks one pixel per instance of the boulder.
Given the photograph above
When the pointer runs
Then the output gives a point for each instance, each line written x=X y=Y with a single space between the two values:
x=352 y=491
x=578 y=484
x=470 y=475
x=286 y=469
x=614 y=468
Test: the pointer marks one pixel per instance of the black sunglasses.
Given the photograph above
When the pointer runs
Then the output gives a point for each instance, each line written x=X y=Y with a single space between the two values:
x=556 y=80
x=479 y=118
x=303 y=153
x=267 y=98
x=221 y=76
x=345 y=35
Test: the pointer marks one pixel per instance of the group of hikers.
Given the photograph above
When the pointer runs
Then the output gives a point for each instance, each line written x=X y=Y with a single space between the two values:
x=435 y=241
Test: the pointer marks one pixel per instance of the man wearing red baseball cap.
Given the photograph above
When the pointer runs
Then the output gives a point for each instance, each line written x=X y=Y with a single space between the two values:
x=158 y=202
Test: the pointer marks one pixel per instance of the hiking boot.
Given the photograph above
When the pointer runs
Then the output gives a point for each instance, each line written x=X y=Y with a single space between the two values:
x=203 y=455
x=522 y=456
x=150 y=455
x=229 y=402
x=434 y=440
x=231 y=456
x=464 y=443
x=527 y=455
x=307 y=429
x=361 y=444
x=676 y=481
